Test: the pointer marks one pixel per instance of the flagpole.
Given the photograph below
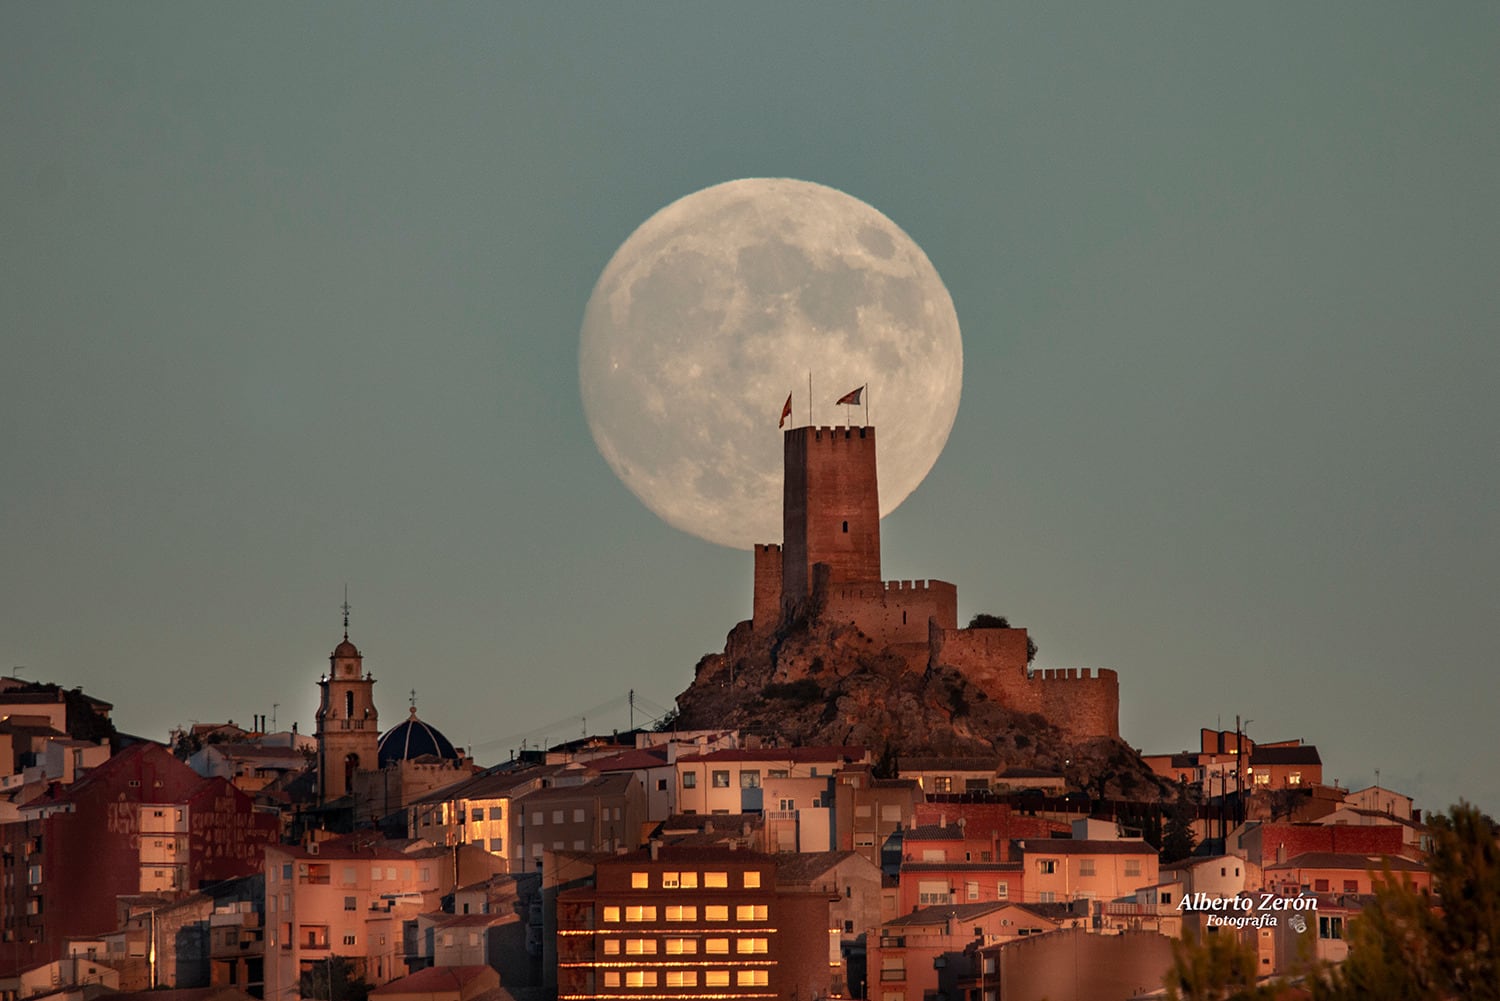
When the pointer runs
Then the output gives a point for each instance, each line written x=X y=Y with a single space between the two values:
x=809 y=397
x=867 y=404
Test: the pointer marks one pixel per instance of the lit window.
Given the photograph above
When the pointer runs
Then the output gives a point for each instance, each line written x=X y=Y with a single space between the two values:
x=750 y=946
x=669 y=880
x=640 y=978
x=611 y=978
x=682 y=978
x=640 y=914
x=716 y=912
x=716 y=978
x=612 y=914
x=682 y=912
x=690 y=881
x=640 y=880
x=942 y=783
x=752 y=879
x=1294 y=779
x=640 y=947
x=751 y=978
x=682 y=946
x=750 y=912
x=716 y=880
x=611 y=947
x=716 y=946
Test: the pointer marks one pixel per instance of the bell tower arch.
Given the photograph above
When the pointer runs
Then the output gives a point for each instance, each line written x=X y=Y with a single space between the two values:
x=348 y=725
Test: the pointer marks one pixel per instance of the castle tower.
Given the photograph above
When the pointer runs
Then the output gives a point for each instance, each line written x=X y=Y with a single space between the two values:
x=830 y=509
x=348 y=728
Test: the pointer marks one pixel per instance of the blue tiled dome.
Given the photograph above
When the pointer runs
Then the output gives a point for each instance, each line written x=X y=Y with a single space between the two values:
x=413 y=739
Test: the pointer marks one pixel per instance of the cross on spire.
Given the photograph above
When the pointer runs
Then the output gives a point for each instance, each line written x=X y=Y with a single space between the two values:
x=345 y=607
x=413 y=701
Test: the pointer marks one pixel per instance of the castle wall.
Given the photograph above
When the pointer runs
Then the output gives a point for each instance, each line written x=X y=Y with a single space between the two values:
x=893 y=611
x=830 y=508
x=1084 y=703
x=767 y=608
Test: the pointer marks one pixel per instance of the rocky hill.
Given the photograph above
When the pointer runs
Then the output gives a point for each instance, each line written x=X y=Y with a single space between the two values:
x=832 y=684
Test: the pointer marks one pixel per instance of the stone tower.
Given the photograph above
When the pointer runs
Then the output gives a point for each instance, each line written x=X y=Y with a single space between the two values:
x=348 y=726
x=830 y=509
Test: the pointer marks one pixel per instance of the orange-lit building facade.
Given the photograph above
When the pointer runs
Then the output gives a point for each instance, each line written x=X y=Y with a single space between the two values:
x=695 y=923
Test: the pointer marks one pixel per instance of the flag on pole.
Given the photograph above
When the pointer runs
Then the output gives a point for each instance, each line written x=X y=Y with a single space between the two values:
x=852 y=398
x=786 y=411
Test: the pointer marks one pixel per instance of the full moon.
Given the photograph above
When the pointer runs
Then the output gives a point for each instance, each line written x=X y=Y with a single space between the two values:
x=720 y=305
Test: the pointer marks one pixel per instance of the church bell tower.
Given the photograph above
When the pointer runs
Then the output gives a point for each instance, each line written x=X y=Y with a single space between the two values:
x=348 y=727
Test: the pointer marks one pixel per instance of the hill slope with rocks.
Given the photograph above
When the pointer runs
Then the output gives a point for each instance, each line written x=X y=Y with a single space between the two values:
x=822 y=684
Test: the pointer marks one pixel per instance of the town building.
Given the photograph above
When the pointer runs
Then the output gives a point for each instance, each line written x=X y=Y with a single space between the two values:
x=1067 y=869
x=675 y=922
x=868 y=811
x=352 y=896
x=141 y=822
x=603 y=814
x=731 y=781
x=920 y=954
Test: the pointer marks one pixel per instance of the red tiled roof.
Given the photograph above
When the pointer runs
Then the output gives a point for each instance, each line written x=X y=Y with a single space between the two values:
x=1348 y=860
x=1071 y=846
x=434 y=978
x=646 y=757
x=780 y=754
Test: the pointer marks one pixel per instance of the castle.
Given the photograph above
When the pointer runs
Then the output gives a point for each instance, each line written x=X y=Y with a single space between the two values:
x=827 y=571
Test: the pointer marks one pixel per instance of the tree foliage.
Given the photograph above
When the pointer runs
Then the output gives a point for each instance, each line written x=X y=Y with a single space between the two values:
x=1406 y=946
x=984 y=620
x=1178 y=840
x=347 y=984
x=1219 y=967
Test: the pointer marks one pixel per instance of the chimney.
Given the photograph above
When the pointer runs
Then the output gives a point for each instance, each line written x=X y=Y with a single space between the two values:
x=655 y=849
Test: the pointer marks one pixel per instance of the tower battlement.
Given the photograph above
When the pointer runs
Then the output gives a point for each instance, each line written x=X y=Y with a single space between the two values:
x=830 y=509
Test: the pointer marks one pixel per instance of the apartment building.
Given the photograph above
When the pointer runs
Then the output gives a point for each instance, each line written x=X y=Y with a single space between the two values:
x=681 y=922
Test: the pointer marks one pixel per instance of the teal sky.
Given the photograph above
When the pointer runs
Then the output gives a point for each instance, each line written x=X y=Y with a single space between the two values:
x=290 y=296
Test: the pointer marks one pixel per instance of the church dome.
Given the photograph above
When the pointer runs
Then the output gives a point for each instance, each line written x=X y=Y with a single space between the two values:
x=345 y=649
x=413 y=739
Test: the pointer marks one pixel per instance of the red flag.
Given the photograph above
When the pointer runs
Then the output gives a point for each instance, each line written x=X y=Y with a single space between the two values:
x=786 y=411
x=852 y=398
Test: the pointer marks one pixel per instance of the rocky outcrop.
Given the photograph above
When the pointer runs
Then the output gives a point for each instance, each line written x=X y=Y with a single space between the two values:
x=831 y=684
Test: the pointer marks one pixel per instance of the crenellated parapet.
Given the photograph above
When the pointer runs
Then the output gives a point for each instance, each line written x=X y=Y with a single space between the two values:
x=896 y=611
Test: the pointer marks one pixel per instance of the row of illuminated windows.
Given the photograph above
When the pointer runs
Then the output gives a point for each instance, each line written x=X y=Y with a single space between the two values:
x=686 y=978
x=689 y=880
x=687 y=912
x=748 y=946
